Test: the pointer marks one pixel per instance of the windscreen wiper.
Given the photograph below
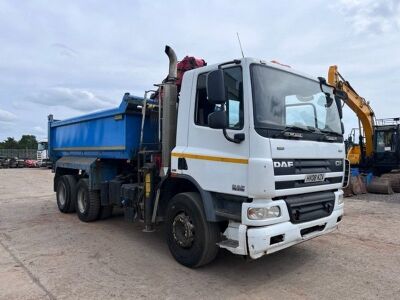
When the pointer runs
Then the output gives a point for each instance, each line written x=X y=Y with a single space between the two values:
x=328 y=135
x=292 y=131
x=330 y=132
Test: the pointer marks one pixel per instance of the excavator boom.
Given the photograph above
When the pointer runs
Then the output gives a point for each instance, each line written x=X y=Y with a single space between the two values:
x=380 y=152
x=358 y=104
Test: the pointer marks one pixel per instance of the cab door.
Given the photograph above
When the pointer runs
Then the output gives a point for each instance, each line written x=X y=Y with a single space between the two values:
x=214 y=162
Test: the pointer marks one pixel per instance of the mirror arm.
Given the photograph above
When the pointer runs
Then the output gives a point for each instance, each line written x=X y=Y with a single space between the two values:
x=237 y=139
x=322 y=81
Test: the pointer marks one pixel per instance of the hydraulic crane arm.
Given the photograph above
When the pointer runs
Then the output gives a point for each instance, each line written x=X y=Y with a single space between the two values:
x=357 y=104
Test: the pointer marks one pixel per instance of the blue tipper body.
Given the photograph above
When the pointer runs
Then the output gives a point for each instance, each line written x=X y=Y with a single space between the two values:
x=95 y=143
x=108 y=134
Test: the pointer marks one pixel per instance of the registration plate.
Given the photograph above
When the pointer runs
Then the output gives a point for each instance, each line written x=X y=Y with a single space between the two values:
x=314 y=178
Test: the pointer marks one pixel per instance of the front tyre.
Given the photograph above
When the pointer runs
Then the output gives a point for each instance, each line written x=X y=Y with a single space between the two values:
x=87 y=202
x=191 y=239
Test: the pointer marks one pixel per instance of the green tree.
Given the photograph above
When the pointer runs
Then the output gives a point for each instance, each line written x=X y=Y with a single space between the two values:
x=27 y=142
x=9 y=143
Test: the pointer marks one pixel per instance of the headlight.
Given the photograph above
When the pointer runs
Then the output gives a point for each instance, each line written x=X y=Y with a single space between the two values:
x=340 y=199
x=262 y=213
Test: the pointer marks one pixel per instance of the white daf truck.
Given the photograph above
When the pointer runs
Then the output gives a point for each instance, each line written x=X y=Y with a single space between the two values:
x=42 y=155
x=251 y=159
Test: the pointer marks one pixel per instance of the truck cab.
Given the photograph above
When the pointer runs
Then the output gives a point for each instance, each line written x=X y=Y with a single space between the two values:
x=249 y=157
x=42 y=155
x=278 y=165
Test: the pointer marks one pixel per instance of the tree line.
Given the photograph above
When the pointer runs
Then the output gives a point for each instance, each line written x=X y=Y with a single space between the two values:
x=26 y=142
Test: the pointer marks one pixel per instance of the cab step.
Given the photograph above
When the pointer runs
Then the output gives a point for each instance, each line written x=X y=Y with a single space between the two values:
x=229 y=244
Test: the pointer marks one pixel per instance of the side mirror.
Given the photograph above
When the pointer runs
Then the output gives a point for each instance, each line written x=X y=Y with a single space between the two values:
x=322 y=81
x=339 y=106
x=342 y=125
x=329 y=100
x=340 y=95
x=217 y=119
x=216 y=93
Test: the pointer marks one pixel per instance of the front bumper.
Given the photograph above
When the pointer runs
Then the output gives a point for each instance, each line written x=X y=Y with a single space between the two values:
x=258 y=241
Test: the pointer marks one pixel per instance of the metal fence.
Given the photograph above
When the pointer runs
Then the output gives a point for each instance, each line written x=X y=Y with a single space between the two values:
x=20 y=153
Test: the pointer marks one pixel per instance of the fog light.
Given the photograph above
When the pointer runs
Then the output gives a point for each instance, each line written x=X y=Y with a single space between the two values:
x=340 y=199
x=262 y=213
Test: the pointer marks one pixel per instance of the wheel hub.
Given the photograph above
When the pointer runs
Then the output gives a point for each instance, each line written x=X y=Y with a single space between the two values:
x=62 y=194
x=183 y=230
x=81 y=199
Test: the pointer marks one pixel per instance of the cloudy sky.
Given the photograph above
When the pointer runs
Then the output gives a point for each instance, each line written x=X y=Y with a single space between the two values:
x=71 y=57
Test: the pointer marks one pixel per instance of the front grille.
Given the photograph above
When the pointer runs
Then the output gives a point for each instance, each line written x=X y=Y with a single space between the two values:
x=309 y=207
x=307 y=166
x=284 y=167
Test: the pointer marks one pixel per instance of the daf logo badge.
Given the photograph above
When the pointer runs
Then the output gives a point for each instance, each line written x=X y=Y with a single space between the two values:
x=283 y=164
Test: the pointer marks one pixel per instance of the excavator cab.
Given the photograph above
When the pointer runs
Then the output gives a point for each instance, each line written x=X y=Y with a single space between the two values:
x=353 y=148
x=387 y=145
x=378 y=147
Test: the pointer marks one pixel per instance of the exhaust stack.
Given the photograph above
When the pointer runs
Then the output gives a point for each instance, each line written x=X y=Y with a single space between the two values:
x=169 y=111
x=173 y=61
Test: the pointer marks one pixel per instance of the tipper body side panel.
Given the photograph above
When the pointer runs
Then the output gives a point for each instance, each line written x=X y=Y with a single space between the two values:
x=111 y=134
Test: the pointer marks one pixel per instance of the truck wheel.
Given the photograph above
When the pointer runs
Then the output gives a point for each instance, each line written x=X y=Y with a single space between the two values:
x=106 y=212
x=191 y=239
x=66 y=193
x=87 y=202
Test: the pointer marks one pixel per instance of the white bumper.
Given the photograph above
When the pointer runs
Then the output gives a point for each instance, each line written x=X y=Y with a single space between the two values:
x=257 y=241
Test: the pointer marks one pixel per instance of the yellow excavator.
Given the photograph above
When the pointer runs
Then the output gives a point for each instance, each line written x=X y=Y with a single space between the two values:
x=378 y=147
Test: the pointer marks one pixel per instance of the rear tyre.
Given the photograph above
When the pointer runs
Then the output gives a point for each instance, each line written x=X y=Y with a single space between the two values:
x=87 y=202
x=191 y=239
x=66 y=193
x=106 y=212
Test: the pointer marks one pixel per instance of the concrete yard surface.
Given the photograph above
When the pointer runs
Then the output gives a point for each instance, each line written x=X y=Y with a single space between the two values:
x=47 y=254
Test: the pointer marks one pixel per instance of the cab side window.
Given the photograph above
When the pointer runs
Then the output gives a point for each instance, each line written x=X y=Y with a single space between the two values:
x=203 y=107
x=234 y=105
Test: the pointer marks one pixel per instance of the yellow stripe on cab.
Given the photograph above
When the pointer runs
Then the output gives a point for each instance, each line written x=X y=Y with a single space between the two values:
x=211 y=158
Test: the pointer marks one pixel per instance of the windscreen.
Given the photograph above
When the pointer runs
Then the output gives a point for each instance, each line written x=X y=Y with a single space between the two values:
x=42 y=146
x=283 y=99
